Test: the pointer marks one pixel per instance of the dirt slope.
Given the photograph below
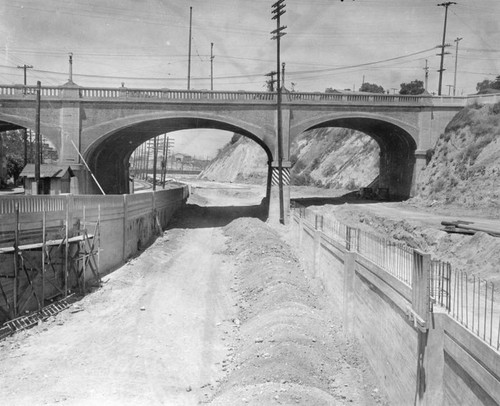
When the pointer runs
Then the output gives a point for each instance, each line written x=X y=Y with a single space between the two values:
x=289 y=348
x=327 y=157
x=464 y=170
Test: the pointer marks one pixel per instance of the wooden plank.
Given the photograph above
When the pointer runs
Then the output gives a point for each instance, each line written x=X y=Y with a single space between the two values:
x=34 y=246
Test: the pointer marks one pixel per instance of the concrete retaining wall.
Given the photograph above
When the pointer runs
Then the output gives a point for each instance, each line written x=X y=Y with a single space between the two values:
x=443 y=364
x=127 y=223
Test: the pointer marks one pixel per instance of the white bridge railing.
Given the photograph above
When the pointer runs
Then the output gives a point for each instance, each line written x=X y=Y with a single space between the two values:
x=123 y=93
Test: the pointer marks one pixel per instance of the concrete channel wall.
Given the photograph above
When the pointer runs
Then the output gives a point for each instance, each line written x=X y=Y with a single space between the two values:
x=127 y=223
x=439 y=363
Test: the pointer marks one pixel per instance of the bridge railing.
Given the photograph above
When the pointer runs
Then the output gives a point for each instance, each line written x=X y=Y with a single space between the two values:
x=347 y=97
x=20 y=90
x=123 y=93
x=169 y=94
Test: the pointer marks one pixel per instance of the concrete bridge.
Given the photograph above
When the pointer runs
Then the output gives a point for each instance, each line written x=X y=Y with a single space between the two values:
x=106 y=125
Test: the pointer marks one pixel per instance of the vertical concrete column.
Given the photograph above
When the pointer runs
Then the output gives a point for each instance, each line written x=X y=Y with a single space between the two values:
x=273 y=191
x=348 y=292
x=420 y=164
x=70 y=121
x=274 y=206
x=301 y=230
x=420 y=288
x=317 y=247
x=125 y=227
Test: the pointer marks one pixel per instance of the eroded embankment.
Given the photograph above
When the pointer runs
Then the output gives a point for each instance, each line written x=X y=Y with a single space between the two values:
x=288 y=346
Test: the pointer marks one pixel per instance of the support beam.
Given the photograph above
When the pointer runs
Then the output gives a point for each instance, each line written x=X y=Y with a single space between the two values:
x=274 y=195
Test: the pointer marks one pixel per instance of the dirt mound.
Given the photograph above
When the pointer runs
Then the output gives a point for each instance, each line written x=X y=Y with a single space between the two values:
x=288 y=347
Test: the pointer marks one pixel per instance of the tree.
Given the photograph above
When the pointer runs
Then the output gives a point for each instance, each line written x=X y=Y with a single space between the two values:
x=14 y=152
x=371 y=88
x=486 y=85
x=413 y=88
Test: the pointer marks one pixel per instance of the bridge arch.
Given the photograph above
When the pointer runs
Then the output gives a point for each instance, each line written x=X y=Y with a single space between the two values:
x=397 y=140
x=113 y=143
x=14 y=122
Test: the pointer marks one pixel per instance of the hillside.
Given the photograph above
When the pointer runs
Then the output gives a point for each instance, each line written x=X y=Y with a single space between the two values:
x=464 y=170
x=327 y=157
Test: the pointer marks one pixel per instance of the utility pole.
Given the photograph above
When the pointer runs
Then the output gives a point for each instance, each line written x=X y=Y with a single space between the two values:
x=71 y=67
x=426 y=69
x=25 y=68
x=189 y=52
x=283 y=75
x=278 y=9
x=443 y=44
x=146 y=160
x=37 y=138
x=457 y=40
x=155 y=158
x=212 y=66
x=271 y=81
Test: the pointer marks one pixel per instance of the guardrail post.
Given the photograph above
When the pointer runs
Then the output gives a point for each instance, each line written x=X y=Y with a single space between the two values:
x=348 y=291
x=125 y=227
x=420 y=289
x=351 y=240
x=316 y=248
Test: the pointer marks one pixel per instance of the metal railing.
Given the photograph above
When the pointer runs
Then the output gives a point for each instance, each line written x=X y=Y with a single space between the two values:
x=394 y=257
x=469 y=299
x=472 y=301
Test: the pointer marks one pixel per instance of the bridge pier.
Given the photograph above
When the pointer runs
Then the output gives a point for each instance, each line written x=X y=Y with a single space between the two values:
x=397 y=171
x=273 y=194
x=420 y=164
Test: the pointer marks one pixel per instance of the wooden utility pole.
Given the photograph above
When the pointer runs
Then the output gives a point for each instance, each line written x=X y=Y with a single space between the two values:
x=189 y=52
x=278 y=9
x=37 y=137
x=457 y=40
x=25 y=68
x=443 y=44
x=25 y=131
x=212 y=66
x=155 y=161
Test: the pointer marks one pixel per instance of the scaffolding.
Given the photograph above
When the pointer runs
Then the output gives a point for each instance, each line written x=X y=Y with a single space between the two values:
x=34 y=275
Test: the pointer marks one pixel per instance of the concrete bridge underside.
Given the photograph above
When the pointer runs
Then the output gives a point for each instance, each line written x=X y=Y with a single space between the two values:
x=109 y=156
x=397 y=151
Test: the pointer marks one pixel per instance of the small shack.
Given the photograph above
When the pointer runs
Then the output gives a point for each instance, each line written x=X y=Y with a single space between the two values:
x=54 y=179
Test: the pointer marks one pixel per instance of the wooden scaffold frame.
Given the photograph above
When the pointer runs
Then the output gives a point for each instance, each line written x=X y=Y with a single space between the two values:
x=64 y=265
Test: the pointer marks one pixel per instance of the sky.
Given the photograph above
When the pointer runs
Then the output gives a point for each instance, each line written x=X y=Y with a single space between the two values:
x=328 y=43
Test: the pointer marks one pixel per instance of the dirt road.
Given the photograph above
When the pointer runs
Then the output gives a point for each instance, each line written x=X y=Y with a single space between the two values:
x=216 y=311
x=150 y=336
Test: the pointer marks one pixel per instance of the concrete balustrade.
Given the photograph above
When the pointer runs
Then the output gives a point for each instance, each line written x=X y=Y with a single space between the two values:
x=84 y=93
